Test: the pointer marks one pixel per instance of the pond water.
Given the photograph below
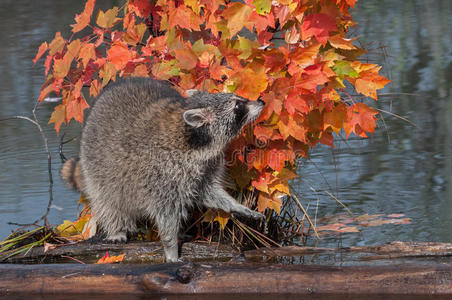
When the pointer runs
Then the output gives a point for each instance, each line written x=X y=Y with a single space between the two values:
x=401 y=169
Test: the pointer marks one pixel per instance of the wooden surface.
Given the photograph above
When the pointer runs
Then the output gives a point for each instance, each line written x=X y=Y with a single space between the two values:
x=223 y=278
x=152 y=252
x=135 y=252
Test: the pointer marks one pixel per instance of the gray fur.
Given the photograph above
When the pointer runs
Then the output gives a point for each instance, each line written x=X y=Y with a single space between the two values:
x=148 y=152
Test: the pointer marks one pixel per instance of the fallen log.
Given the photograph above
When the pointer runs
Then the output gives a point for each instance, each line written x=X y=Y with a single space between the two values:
x=135 y=252
x=152 y=252
x=390 y=250
x=222 y=279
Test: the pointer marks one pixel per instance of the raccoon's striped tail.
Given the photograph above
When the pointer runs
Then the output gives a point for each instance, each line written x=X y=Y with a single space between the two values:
x=71 y=173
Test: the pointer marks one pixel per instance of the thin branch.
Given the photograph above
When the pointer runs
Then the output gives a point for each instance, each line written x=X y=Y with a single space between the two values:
x=49 y=158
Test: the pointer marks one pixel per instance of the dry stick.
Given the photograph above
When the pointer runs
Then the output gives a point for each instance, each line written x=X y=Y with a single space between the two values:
x=397 y=116
x=49 y=160
x=293 y=196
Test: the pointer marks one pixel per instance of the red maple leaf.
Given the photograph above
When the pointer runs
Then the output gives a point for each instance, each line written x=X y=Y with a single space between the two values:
x=319 y=26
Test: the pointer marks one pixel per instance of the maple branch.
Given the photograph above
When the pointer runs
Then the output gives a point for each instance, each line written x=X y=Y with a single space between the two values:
x=49 y=159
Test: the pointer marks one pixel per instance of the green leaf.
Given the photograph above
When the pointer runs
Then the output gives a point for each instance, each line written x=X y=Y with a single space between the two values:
x=343 y=68
x=262 y=6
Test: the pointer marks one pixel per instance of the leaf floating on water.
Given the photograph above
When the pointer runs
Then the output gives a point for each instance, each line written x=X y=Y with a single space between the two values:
x=396 y=215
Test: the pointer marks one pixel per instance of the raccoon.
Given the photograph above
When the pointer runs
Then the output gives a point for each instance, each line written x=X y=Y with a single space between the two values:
x=148 y=152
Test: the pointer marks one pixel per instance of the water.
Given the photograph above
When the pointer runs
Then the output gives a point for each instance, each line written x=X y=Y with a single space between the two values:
x=400 y=169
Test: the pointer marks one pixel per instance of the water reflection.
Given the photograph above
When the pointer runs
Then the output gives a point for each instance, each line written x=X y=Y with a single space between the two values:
x=402 y=168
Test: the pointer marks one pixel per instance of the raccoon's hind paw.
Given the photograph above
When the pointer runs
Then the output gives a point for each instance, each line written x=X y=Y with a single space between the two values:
x=119 y=237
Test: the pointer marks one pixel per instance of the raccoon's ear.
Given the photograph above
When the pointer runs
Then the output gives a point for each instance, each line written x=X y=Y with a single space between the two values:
x=198 y=117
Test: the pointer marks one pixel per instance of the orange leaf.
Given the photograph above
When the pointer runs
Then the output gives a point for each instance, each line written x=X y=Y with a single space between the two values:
x=236 y=16
x=61 y=68
x=58 y=116
x=87 y=52
x=310 y=79
x=252 y=82
x=262 y=183
x=369 y=82
x=119 y=55
x=296 y=101
x=45 y=91
x=82 y=20
x=360 y=119
x=341 y=43
x=95 y=88
x=335 y=118
x=217 y=71
x=106 y=259
x=57 y=44
x=187 y=58
x=275 y=60
x=184 y=17
x=75 y=108
x=140 y=71
x=107 y=19
x=42 y=49
x=257 y=159
x=266 y=201
x=305 y=56
x=291 y=127
x=260 y=22
x=276 y=159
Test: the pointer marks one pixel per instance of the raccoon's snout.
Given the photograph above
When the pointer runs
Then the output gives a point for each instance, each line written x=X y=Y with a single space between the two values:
x=254 y=109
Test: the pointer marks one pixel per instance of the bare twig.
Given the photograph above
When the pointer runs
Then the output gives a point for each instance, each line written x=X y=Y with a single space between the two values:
x=49 y=159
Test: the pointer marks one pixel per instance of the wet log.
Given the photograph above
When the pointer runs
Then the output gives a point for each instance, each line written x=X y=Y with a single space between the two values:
x=152 y=252
x=222 y=279
x=390 y=250
x=135 y=252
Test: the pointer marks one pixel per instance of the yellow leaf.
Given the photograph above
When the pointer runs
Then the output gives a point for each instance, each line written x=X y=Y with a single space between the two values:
x=194 y=4
x=107 y=73
x=236 y=16
x=58 y=116
x=108 y=19
x=219 y=216
x=57 y=45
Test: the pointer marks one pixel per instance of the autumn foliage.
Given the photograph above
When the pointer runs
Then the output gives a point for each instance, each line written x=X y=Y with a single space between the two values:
x=293 y=54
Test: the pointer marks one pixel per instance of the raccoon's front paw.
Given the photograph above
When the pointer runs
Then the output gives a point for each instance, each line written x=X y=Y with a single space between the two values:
x=255 y=215
x=119 y=237
x=251 y=214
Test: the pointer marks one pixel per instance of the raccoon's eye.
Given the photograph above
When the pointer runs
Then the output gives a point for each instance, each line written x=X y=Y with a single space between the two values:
x=239 y=105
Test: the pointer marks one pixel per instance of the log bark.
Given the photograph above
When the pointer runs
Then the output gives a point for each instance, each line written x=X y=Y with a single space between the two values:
x=135 y=252
x=223 y=279
x=390 y=250
x=152 y=252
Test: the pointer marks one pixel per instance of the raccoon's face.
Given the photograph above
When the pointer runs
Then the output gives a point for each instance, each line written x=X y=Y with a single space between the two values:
x=220 y=117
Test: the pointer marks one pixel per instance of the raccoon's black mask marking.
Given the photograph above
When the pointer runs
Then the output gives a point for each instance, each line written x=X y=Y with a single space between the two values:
x=241 y=112
x=198 y=137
